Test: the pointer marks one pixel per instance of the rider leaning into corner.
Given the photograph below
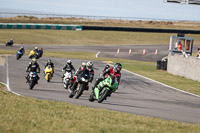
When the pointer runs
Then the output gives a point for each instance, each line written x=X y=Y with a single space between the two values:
x=85 y=68
x=33 y=67
x=22 y=50
x=116 y=71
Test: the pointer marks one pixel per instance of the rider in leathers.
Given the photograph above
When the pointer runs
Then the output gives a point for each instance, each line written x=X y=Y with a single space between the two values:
x=101 y=76
x=33 y=67
x=81 y=71
x=68 y=67
x=22 y=50
x=116 y=70
x=49 y=62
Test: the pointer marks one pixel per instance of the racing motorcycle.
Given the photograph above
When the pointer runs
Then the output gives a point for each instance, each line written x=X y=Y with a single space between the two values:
x=19 y=55
x=82 y=84
x=48 y=71
x=8 y=44
x=108 y=85
x=68 y=79
x=34 y=54
x=32 y=80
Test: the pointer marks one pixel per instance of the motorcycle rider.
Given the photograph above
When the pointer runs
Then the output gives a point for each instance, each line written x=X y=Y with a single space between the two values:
x=101 y=76
x=49 y=62
x=116 y=70
x=22 y=50
x=36 y=49
x=40 y=52
x=11 y=42
x=33 y=67
x=86 y=68
x=68 y=67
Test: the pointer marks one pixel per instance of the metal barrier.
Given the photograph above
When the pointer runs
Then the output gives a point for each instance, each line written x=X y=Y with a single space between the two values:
x=39 y=26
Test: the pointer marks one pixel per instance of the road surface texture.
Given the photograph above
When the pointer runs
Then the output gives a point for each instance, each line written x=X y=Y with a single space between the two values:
x=136 y=94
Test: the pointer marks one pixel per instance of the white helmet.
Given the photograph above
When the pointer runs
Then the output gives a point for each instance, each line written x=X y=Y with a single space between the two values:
x=69 y=62
x=89 y=65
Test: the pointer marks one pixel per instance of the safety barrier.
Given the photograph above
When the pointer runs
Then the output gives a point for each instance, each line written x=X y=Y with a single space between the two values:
x=39 y=26
x=131 y=29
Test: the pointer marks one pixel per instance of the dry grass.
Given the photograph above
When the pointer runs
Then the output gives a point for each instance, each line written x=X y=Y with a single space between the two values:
x=104 y=22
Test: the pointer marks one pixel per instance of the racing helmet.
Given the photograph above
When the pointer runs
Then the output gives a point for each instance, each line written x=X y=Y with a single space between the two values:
x=22 y=47
x=117 y=67
x=49 y=61
x=89 y=65
x=36 y=48
x=34 y=60
x=107 y=66
x=69 y=62
x=84 y=64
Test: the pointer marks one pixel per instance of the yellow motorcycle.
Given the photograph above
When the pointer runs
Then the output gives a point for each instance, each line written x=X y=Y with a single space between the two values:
x=48 y=73
x=31 y=54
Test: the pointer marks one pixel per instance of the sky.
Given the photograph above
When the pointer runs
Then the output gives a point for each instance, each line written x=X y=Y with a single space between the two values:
x=153 y=9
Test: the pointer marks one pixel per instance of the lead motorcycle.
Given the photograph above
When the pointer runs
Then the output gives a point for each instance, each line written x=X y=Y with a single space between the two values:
x=9 y=44
x=108 y=86
x=32 y=79
x=81 y=86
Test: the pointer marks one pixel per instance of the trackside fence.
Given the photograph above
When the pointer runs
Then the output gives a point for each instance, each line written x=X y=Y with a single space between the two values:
x=39 y=26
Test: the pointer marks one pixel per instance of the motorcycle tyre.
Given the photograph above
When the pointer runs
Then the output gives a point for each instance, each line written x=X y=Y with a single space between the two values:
x=103 y=94
x=79 y=92
x=91 y=98
x=17 y=57
x=31 y=84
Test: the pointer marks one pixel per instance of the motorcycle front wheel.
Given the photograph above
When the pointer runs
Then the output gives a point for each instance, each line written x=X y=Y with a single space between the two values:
x=79 y=90
x=103 y=94
x=31 y=84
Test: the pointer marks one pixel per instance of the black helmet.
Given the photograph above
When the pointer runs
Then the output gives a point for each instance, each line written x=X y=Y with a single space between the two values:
x=69 y=62
x=107 y=66
x=117 y=67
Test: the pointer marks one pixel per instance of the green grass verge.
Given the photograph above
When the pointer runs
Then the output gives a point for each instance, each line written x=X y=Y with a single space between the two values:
x=23 y=114
x=147 y=69
x=85 y=37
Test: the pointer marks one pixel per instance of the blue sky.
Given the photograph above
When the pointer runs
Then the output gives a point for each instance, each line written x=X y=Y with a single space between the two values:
x=119 y=8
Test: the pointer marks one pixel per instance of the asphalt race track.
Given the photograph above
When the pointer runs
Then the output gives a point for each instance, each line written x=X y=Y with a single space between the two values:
x=109 y=51
x=136 y=94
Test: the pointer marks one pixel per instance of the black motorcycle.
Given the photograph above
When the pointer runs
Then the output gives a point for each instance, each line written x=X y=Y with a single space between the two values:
x=9 y=43
x=81 y=86
x=32 y=79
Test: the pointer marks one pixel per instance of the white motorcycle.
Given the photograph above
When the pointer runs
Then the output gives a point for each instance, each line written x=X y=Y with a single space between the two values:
x=67 y=79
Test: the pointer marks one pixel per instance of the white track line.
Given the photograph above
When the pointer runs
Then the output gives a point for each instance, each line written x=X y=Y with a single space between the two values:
x=97 y=54
x=7 y=74
x=162 y=83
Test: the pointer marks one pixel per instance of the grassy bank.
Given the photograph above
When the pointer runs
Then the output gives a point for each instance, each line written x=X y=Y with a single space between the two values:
x=147 y=69
x=86 y=37
x=31 y=115
x=105 y=22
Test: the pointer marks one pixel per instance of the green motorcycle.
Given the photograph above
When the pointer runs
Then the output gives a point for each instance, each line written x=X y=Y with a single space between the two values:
x=104 y=89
